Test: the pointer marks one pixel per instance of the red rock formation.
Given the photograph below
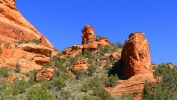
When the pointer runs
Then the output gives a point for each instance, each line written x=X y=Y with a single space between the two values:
x=13 y=26
x=171 y=65
x=80 y=63
x=45 y=73
x=43 y=40
x=29 y=56
x=136 y=55
x=116 y=55
x=135 y=83
x=89 y=42
x=88 y=34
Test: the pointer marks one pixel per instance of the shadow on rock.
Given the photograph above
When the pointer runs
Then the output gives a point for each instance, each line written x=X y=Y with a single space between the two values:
x=118 y=70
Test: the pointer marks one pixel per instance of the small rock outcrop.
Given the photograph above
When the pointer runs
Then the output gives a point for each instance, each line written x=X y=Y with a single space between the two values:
x=135 y=55
x=45 y=73
x=80 y=63
x=88 y=34
x=40 y=49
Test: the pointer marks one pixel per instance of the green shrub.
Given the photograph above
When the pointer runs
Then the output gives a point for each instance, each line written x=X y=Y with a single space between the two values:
x=48 y=64
x=87 y=53
x=91 y=69
x=111 y=81
x=91 y=84
x=127 y=96
x=85 y=88
x=17 y=68
x=106 y=49
x=39 y=93
x=119 y=45
x=2 y=96
x=79 y=73
x=166 y=83
x=103 y=94
x=64 y=95
x=86 y=97
x=36 y=41
x=57 y=83
x=4 y=72
x=7 y=45
x=19 y=86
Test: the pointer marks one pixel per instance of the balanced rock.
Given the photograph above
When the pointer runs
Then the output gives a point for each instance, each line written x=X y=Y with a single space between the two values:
x=135 y=55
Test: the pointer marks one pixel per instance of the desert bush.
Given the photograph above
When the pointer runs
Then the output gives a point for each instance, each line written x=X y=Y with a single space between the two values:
x=86 y=97
x=79 y=55
x=36 y=41
x=39 y=93
x=95 y=82
x=7 y=45
x=111 y=81
x=91 y=69
x=85 y=87
x=48 y=64
x=57 y=83
x=127 y=96
x=103 y=94
x=17 y=68
x=87 y=53
x=119 y=45
x=165 y=88
x=105 y=49
x=19 y=86
x=2 y=96
x=4 y=72
x=79 y=73
x=65 y=95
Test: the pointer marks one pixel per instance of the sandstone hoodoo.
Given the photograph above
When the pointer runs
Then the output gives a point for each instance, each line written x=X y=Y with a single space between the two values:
x=135 y=55
x=88 y=34
x=14 y=27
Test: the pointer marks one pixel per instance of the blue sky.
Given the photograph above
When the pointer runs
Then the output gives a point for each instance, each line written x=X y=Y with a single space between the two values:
x=61 y=21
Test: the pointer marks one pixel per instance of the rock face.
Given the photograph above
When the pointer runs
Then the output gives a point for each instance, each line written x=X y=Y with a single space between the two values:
x=88 y=34
x=135 y=55
x=29 y=56
x=13 y=26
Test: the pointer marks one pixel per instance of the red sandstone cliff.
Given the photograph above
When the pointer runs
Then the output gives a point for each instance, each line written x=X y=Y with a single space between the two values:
x=13 y=26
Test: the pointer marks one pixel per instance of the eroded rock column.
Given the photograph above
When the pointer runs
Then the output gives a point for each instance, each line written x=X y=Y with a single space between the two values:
x=135 y=55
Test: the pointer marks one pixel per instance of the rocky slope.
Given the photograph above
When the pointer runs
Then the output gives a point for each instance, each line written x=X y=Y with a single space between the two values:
x=14 y=27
